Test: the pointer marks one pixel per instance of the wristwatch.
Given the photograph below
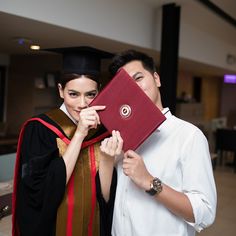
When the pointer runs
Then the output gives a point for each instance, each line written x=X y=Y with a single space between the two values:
x=155 y=187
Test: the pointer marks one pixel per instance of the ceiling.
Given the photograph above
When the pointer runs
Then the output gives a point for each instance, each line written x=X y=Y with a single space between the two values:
x=46 y=35
x=228 y=6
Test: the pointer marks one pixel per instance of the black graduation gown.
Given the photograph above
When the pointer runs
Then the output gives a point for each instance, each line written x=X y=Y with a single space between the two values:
x=43 y=181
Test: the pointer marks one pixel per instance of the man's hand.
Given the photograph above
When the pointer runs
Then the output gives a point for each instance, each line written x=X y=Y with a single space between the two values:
x=134 y=167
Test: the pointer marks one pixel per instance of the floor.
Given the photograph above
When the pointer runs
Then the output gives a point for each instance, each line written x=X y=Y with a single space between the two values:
x=5 y=226
x=226 y=209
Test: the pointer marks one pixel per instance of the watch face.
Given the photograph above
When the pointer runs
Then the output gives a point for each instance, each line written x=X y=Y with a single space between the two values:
x=157 y=185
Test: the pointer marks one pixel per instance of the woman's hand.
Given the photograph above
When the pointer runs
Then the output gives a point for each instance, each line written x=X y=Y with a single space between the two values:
x=110 y=147
x=88 y=119
x=113 y=145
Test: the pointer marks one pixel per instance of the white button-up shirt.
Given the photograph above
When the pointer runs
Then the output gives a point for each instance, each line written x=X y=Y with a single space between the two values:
x=177 y=153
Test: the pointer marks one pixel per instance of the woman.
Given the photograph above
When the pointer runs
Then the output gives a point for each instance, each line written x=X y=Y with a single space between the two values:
x=63 y=183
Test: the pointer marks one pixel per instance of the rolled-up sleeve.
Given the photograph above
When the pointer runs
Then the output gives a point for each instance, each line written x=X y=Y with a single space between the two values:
x=198 y=180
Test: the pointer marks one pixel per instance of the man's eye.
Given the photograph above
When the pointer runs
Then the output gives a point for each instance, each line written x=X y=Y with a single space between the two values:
x=138 y=78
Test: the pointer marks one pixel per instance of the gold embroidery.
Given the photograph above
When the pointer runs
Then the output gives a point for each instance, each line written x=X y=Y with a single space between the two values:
x=62 y=146
x=63 y=121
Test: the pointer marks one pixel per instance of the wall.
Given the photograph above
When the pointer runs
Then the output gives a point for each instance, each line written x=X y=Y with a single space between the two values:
x=210 y=93
x=24 y=100
x=184 y=83
x=211 y=97
x=128 y=21
x=23 y=97
x=4 y=59
x=228 y=102
x=204 y=37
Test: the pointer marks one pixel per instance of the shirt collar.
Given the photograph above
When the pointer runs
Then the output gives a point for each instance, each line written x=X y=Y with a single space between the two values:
x=63 y=108
x=167 y=113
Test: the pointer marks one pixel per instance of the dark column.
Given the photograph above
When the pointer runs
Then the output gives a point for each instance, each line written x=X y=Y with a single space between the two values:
x=2 y=92
x=169 y=54
x=197 y=88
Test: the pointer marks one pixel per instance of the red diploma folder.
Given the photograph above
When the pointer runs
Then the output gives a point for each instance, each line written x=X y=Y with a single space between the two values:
x=128 y=110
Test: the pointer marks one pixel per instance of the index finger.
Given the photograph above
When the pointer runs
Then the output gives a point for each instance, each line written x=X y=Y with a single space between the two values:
x=98 y=108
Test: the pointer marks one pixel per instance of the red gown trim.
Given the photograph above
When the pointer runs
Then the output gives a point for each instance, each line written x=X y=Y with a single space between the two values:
x=70 y=205
x=93 y=174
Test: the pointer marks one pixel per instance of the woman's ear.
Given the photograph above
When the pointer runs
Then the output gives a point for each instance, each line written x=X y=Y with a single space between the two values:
x=157 y=79
x=60 y=89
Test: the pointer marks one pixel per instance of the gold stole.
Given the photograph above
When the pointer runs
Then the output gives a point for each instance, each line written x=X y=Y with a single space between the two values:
x=78 y=214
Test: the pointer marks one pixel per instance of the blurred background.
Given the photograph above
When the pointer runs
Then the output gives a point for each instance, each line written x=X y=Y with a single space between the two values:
x=193 y=43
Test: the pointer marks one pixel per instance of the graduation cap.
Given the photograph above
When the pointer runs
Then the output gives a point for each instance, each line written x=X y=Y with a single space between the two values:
x=82 y=60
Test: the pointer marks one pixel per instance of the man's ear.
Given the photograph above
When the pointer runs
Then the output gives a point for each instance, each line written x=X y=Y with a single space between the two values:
x=157 y=79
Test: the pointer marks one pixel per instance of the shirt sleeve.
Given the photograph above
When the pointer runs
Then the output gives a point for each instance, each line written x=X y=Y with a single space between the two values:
x=198 y=180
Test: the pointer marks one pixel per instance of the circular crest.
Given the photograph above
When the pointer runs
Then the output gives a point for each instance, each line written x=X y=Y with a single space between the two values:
x=125 y=111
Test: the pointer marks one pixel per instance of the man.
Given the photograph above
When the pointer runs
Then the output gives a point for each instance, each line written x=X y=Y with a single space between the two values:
x=166 y=186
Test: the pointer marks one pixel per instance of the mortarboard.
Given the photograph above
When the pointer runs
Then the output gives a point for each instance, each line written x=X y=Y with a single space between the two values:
x=82 y=60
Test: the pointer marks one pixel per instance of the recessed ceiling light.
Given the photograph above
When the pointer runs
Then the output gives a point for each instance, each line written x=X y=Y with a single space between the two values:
x=34 y=47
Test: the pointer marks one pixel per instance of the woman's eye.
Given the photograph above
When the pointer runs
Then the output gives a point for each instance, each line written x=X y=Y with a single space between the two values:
x=72 y=94
x=91 y=95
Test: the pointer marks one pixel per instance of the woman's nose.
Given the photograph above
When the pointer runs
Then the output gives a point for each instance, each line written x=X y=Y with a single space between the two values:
x=82 y=102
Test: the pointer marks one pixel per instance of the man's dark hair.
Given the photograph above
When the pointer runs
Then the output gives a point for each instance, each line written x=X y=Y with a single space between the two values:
x=125 y=57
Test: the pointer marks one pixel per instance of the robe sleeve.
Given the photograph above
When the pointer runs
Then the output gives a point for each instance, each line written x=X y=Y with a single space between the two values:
x=42 y=179
x=106 y=208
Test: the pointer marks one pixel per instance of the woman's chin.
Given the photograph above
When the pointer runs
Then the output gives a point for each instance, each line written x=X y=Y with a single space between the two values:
x=75 y=118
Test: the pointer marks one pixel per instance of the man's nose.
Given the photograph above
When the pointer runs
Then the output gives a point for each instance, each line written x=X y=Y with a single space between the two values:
x=140 y=85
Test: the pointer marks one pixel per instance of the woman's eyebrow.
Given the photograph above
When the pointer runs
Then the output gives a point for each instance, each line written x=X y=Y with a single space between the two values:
x=72 y=90
x=91 y=91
